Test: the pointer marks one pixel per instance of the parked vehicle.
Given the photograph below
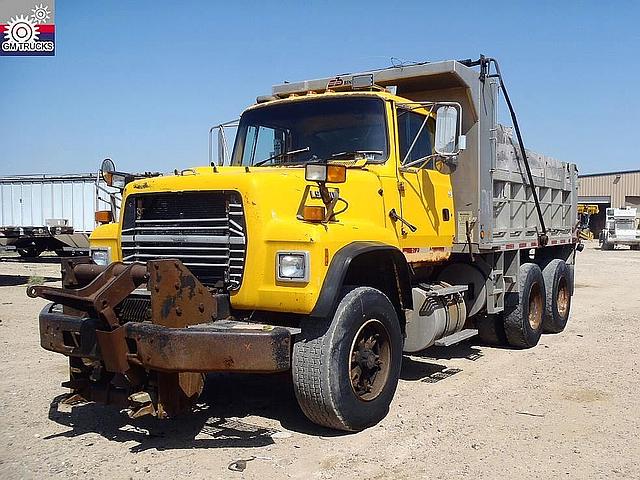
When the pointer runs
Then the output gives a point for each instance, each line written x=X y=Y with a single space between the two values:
x=41 y=213
x=584 y=218
x=358 y=217
x=621 y=228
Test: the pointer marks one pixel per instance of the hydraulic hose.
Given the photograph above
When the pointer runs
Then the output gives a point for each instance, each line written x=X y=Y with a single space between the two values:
x=485 y=63
x=543 y=238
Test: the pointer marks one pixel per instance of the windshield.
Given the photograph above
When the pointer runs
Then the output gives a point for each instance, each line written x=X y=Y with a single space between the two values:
x=625 y=224
x=297 y=132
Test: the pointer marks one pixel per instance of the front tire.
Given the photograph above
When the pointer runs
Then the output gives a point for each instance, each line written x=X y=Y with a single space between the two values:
x=346 y=369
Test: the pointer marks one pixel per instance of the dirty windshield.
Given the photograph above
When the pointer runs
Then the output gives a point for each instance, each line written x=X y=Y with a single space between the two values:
x=292 y=133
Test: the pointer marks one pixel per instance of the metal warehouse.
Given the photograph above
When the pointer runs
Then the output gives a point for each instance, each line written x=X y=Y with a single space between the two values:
x=612 y=189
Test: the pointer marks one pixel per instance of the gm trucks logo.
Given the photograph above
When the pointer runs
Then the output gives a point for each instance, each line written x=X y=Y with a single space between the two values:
x=27 y=29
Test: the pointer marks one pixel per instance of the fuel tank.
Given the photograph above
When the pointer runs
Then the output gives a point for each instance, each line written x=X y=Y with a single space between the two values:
x=438 y=314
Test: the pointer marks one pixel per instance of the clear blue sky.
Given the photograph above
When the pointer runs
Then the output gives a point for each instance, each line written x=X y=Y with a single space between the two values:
x=142 y=81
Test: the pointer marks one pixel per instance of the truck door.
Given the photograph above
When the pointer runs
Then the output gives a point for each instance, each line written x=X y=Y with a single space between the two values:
x=425 y=194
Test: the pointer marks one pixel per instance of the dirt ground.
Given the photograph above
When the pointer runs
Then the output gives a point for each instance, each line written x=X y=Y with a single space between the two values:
x=569 y=408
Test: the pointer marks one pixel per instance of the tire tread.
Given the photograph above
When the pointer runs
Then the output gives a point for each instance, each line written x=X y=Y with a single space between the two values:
x=307 y=376
x=514 y=326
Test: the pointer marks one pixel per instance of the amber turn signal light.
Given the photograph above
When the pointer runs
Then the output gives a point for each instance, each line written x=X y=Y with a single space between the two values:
x=336 y=174
x=104 y=216
x=313 y=213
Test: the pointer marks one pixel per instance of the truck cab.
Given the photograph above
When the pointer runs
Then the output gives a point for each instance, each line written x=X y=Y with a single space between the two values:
x=621 y=228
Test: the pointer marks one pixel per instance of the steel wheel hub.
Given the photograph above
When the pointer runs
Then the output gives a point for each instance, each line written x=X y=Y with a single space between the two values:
x=370 y=360
x=563 y=298
x=535 y=306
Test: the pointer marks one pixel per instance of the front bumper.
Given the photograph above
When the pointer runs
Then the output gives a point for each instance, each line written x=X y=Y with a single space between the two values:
x=220 y=346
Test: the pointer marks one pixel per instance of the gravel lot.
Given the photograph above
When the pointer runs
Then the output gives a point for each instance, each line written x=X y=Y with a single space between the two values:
x=568 y=408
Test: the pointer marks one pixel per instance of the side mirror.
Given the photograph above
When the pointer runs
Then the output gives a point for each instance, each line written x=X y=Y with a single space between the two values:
x=222 y=141
x=222 y=146
x=112 y=177
x=107 y=169
x=448 y=140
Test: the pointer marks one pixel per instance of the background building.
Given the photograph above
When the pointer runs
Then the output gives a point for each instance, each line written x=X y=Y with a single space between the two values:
x=614 y=189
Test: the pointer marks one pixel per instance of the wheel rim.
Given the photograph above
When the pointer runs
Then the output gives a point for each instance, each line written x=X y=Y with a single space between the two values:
x=535 y=307
x=370 y=360
x=562 y=299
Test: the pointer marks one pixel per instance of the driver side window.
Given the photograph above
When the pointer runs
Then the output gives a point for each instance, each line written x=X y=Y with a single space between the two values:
x=409 y=124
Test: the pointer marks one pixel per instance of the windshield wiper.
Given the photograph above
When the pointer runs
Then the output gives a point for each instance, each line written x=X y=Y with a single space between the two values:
x=353 y=153
x=278 y=155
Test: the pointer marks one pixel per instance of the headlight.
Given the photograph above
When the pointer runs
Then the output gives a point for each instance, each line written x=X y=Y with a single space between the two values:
x=292 y=266
x=101 y=256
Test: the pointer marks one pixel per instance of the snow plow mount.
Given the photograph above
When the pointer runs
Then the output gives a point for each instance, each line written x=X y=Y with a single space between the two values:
x=154 y=366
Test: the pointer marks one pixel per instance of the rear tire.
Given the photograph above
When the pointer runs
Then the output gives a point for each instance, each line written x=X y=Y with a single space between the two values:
x=557 y=284
x=491 y=329
x=345 y=369
x=635 y=247
x=523 y=323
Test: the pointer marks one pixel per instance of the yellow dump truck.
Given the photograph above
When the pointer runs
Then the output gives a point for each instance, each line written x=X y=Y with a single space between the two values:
x=358 y=217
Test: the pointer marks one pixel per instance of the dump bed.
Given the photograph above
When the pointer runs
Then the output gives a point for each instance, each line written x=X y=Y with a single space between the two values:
x=493 y=199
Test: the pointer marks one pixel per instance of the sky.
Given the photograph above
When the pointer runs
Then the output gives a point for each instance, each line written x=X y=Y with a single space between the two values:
x=142 y=82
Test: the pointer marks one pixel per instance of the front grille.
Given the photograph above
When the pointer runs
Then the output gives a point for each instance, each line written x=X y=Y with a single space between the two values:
x=205 y=230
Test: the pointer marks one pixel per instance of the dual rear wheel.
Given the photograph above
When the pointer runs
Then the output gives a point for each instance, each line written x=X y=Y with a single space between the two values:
x=543 y=305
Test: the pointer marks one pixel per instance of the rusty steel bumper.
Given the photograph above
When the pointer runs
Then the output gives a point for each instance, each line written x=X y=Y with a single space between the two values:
x=220 y=346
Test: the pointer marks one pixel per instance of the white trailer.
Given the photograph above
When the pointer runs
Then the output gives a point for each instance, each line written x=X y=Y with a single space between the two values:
x=49 y=212
x=621 y=228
